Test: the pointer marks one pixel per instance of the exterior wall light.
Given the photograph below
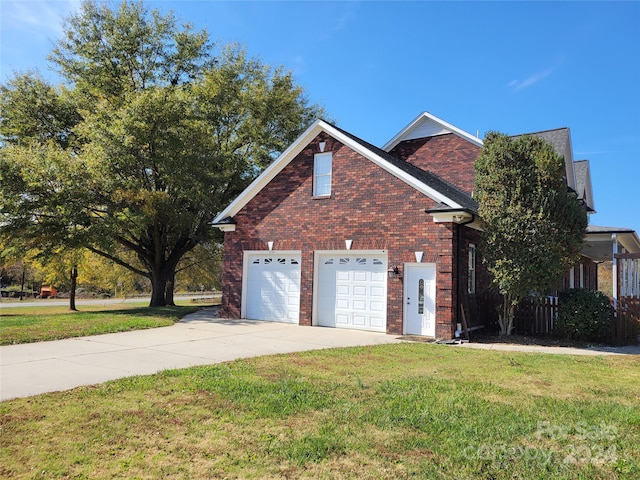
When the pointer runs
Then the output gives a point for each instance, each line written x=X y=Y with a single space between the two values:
x=393 y=272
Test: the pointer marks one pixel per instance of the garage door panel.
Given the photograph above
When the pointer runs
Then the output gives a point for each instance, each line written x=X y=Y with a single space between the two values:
x=377 y=307
x=360 y=276
x=377 y=322
x=377 y=291
x=359 y=305
x=360 y=290
x=342 y=303
x=273 y=287
x=379 y=277
x=352 y=291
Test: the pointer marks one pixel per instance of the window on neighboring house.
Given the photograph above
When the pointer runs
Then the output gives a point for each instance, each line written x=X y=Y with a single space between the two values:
x=471 y=278
x=322 y=174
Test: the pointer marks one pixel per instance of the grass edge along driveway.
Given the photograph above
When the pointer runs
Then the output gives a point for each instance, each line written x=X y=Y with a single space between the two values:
x=37 y=324
x=392 y=411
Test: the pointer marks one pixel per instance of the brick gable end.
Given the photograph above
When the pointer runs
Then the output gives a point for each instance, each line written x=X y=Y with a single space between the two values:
x=448 y=156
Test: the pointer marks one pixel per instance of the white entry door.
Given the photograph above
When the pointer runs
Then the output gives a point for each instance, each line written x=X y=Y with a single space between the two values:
x=420 y=299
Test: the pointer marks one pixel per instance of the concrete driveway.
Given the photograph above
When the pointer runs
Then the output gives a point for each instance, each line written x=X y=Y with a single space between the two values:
x=198 y=339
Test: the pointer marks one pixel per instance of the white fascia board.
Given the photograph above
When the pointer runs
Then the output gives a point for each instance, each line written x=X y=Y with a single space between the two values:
x=455 y=130
x=447 y=217
x=630 y=241
x=272 y=170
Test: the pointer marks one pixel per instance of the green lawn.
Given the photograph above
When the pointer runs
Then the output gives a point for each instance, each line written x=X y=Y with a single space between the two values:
x=54 y=322
x=408 y=410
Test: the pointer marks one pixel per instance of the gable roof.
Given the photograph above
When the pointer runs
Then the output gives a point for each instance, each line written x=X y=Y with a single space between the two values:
x=428 y=125
x=582 y=172
x=454 y=193
x=426 y=183
x=560 y=140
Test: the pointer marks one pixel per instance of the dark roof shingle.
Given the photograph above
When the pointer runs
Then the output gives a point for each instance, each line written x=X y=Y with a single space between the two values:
x=428 y=178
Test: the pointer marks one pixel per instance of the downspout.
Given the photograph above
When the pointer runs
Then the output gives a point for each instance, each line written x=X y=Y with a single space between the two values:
x=459 y=269
x=614 y=274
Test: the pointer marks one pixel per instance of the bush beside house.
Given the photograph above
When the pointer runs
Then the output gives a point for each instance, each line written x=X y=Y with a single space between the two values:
x=584 y=315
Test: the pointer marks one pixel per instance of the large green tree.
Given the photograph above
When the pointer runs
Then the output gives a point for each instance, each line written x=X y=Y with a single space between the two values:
x=533 y=225
x=164 y=131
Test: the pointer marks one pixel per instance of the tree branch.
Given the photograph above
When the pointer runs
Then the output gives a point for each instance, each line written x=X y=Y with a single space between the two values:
x=119 y=262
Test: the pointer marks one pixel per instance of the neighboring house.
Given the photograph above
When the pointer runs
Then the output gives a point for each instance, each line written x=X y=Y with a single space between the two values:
x=337 y=232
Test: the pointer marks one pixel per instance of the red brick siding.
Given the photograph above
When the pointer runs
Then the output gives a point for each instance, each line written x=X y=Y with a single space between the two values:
x=367 y=205
x=449 y=156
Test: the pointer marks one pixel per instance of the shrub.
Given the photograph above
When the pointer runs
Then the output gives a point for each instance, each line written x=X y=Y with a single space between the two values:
x=584 y=315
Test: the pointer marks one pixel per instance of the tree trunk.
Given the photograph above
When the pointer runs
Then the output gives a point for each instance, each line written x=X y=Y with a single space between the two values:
x=506 y=315
x=72 y=290
x=159 y=281
x=22 y=284
x=168 y=294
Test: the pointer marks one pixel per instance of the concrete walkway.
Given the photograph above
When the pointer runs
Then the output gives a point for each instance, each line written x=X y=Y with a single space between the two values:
x=198 y=339
x=591 y=351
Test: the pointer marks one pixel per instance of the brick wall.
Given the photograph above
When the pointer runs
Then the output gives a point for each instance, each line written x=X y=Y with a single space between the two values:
x=367 y=205
x=449 y=156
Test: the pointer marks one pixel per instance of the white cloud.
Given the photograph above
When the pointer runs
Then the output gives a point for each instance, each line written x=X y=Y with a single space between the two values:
x=38 y=18
x=529 y=81
x=339 y=22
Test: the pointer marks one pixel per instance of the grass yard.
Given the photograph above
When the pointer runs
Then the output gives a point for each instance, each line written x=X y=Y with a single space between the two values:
x=54 y=322
x=408 y=410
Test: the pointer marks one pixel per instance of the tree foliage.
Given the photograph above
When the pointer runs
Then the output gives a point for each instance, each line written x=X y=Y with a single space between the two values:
x=533 y=226
x=162 y=135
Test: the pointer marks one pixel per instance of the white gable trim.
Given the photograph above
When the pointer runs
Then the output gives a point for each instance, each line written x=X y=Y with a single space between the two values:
x=303 y=140
x=437 y=127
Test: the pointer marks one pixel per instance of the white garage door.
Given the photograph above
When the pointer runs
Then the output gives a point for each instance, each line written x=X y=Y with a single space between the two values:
x=273 y=287
x=352 y=291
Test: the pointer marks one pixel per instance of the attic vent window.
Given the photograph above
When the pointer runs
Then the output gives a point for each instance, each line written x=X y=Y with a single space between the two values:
x=322 y=174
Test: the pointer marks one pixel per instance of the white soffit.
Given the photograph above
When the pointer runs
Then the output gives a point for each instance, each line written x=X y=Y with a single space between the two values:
x=427 y=125
x=303 y=140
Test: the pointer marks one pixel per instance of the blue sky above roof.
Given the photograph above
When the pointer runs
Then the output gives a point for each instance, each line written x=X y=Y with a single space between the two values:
x=515 y=67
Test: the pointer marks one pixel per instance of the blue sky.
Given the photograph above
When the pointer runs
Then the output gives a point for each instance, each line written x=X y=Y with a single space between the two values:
x=515 y=67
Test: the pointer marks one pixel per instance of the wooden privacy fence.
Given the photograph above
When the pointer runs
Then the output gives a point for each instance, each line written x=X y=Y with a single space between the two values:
x=626 y=322
x=536 y=316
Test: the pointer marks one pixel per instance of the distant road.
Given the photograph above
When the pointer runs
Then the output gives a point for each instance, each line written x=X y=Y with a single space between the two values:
x=5 y=303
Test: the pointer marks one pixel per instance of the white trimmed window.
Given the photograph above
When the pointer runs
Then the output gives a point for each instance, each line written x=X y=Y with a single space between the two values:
x=322 y=174
x=471 y=278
